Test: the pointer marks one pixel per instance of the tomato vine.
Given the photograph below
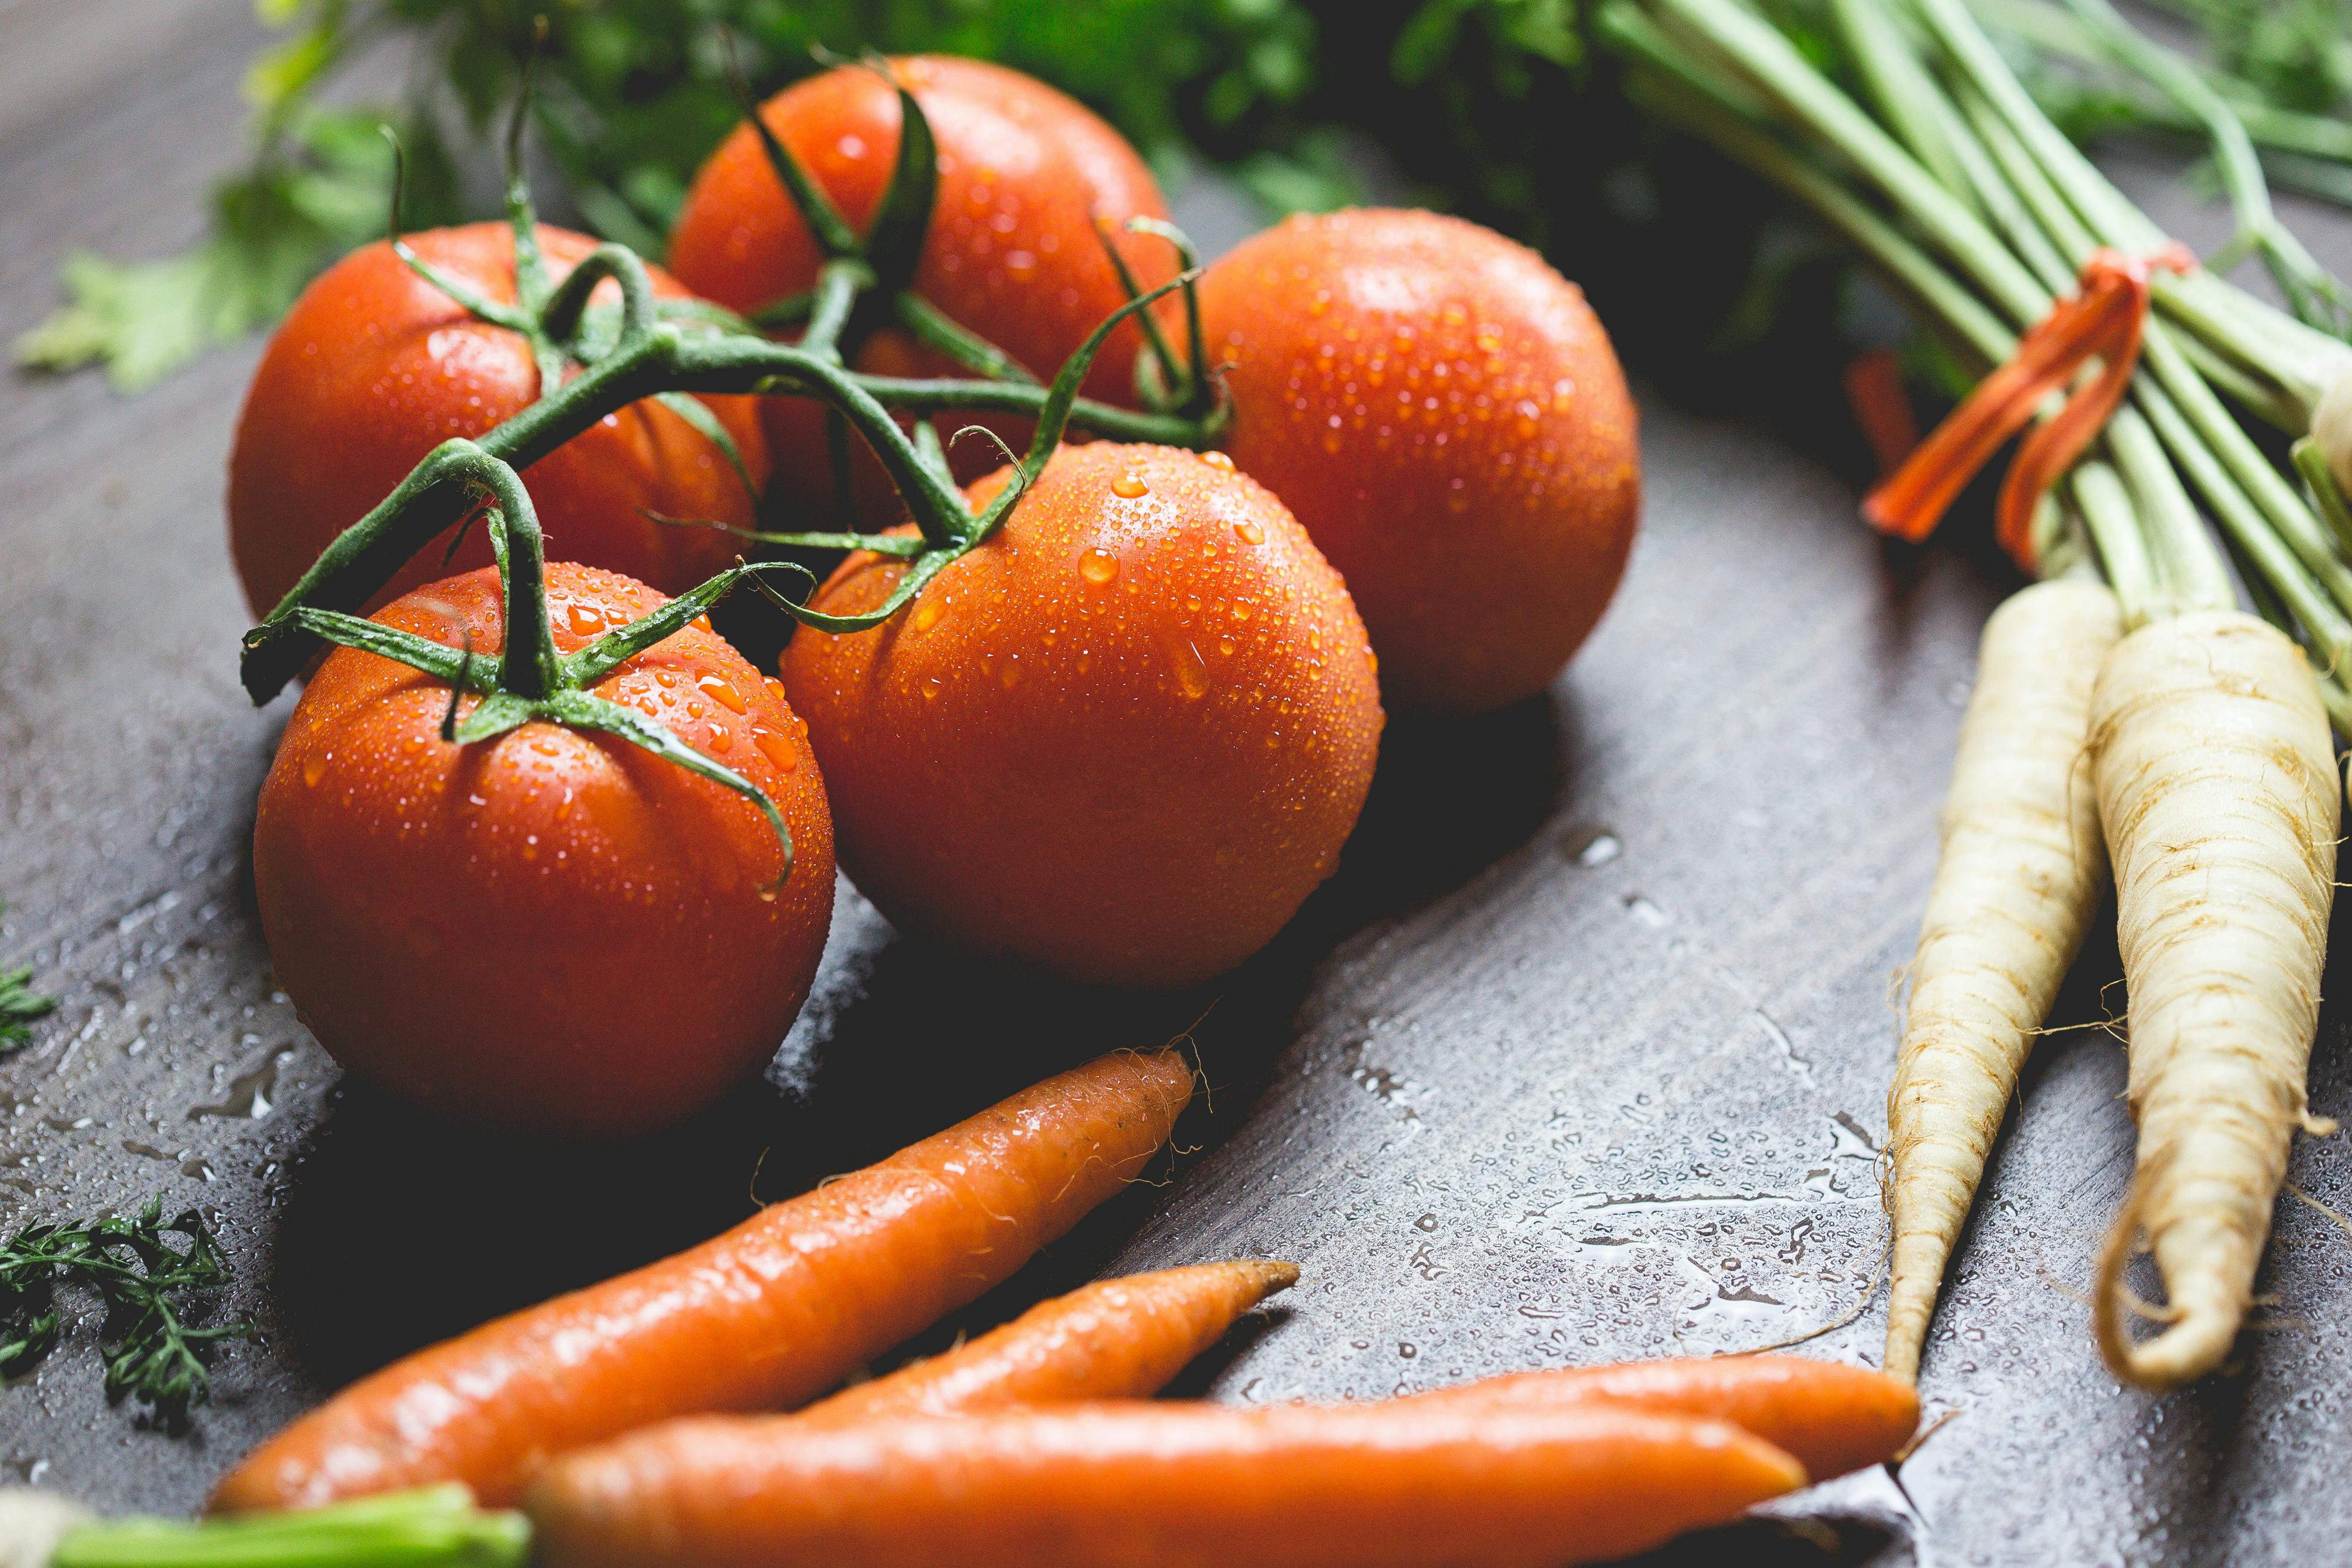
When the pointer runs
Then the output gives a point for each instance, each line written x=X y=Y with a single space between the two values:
x=596 y=358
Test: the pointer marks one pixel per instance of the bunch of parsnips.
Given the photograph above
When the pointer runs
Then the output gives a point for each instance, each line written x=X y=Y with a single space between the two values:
x=2126 y=711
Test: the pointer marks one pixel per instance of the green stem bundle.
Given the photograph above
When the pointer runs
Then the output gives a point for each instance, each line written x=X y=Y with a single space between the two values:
x=1978 y=210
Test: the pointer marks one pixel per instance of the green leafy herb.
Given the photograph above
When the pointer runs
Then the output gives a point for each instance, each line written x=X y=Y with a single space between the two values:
x=317 y=190
x=19 y=1006
x=151 y=1351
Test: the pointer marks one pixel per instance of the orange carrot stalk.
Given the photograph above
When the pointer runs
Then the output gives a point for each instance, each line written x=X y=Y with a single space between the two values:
x=1117 y=1339
x=1398 y=1484
x=766 y=1316
x=1833 y=1417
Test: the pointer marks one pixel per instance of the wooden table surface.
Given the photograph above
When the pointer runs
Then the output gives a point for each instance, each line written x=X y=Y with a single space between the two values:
x=1582 y=1056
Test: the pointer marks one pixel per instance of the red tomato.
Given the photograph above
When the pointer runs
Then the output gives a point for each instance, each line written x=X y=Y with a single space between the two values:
x=1122 y=740
x=1011 y=253
x=1445 y=414
x=554 y=931
x=374 y=367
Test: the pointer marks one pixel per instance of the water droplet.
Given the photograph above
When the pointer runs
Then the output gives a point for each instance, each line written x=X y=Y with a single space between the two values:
x=1098 y=566
x=1249 y=533
x=1191 y=670
x=585 y=620
x=717 y=688
x=1599 y=849
x=777 y=748
x=314 y=768
x=775 y=688
x=665 y=678
x=1129 y=487
x=1010 y=677
x=927 y=611
x=1225 y=645
x=1218 y=461
x=563 y=807
x=720 y=739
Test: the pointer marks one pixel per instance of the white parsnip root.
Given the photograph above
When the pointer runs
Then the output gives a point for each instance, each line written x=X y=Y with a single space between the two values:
x=2022 y=871
x=2217 y=788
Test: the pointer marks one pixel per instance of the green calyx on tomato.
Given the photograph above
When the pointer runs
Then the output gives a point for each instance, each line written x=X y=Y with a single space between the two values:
x=563 y=324
x=867 y=283
x=529 y=679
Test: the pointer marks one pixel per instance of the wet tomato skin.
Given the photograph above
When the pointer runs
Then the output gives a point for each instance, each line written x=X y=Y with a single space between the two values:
x=374 y=367
x=552 y=932
x=1011 y=253
x=1446 y=414
x=1122 y=740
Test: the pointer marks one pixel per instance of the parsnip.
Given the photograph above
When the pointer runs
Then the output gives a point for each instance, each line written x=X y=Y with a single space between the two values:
x=2021 y=870
x=2217 y=788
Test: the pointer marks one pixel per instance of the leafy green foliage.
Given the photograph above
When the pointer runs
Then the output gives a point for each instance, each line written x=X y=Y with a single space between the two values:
x=1490 y=106
x=19 y=1006
x=633 y=94
x=318 y=187
x=152 y=1351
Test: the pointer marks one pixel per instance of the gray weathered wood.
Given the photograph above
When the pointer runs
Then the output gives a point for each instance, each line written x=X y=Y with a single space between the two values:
x=1582 y=1056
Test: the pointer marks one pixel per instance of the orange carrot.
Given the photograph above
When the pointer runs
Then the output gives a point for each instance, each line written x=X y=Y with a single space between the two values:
x=1398 y=1484
x=766 y=1316
x=1831 y=1417
x=1117 y=1339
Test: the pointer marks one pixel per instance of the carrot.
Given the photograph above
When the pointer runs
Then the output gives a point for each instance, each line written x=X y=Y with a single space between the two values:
x=2217 y=784
x=2021 y=870
x=1832 y=1417
x=1398 y=1484
x=1117 y=1339
x=766 y=1316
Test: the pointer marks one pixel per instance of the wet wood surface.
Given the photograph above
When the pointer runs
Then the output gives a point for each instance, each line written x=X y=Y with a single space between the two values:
x=1582 y=1055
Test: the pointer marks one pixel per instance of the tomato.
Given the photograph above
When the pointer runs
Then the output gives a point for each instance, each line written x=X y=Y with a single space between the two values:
x=374 y=367
x=553 y=930
x=1011 y=253
x=1121 y=740
x=1445 y=414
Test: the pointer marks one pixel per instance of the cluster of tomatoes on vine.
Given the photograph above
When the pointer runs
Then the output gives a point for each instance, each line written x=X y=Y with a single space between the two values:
x=540 y=849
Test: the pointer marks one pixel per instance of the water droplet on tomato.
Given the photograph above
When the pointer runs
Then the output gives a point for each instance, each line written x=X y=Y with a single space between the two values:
x=563 y=807
x=1219 y=461
x=775 y=688
x=585 y=620
x=1129 y=487
x=1010 y=677
x=314 y=768
x=1098 y=566
x=777 y=748
x=1249 y=533
x=1191 y=670
x=717 y=688
x=720 y=739
x=926 y=614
